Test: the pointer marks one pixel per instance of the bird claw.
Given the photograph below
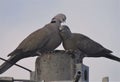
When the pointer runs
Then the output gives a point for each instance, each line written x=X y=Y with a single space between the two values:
x=69 y=51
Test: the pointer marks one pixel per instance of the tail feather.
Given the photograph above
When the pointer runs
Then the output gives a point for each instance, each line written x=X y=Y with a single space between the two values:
x=110 y=56
x=9 y=63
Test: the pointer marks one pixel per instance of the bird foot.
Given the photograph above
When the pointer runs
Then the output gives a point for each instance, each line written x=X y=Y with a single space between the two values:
x=69 y=51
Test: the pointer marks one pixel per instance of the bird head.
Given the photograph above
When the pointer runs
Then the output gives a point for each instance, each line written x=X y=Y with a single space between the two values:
x=65 y=32
x=59 y=17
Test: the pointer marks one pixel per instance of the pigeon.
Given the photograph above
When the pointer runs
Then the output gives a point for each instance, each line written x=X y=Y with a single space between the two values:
x=77 y=42
x=43 y=40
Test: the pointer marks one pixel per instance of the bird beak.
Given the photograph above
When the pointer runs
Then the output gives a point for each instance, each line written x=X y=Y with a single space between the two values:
x=60 y=28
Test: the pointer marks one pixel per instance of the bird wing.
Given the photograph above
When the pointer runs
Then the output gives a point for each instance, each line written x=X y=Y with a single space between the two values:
x=87 y=45
x=35 y=40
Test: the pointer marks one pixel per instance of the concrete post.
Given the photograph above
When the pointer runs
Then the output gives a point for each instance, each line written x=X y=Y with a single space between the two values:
x=55 y=67
x=59 y=66
x=84 y=72
x=32 y=75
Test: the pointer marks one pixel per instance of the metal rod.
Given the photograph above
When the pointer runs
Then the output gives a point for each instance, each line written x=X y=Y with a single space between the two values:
x=16 y=65
x=22 y=80
x=77 y=77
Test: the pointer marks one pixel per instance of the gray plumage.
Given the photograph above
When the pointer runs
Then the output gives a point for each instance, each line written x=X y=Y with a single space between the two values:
x=77 y=41
x=43 y=40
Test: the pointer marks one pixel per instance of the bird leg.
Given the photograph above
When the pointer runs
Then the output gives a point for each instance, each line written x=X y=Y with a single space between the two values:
x=76 y=54
x=70 y=52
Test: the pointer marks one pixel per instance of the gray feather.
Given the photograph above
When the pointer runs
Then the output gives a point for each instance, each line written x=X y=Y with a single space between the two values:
x=42 y=40
x=77 y=41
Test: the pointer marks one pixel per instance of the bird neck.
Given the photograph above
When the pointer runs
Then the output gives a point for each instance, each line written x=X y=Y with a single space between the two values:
x=66 y=37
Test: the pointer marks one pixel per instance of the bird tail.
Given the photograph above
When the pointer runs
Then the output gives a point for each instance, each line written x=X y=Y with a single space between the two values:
x=110 y=56
x=9 y=63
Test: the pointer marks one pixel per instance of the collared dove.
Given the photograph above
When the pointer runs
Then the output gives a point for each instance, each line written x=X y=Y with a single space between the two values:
x=43 y=40
x=80 y=42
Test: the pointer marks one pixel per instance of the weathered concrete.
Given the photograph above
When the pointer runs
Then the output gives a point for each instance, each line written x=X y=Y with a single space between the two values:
x=84 y=72
x=59 y=66
x=55 y=67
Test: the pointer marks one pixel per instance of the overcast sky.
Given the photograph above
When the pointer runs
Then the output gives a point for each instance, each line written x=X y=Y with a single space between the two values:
x=98 y=19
